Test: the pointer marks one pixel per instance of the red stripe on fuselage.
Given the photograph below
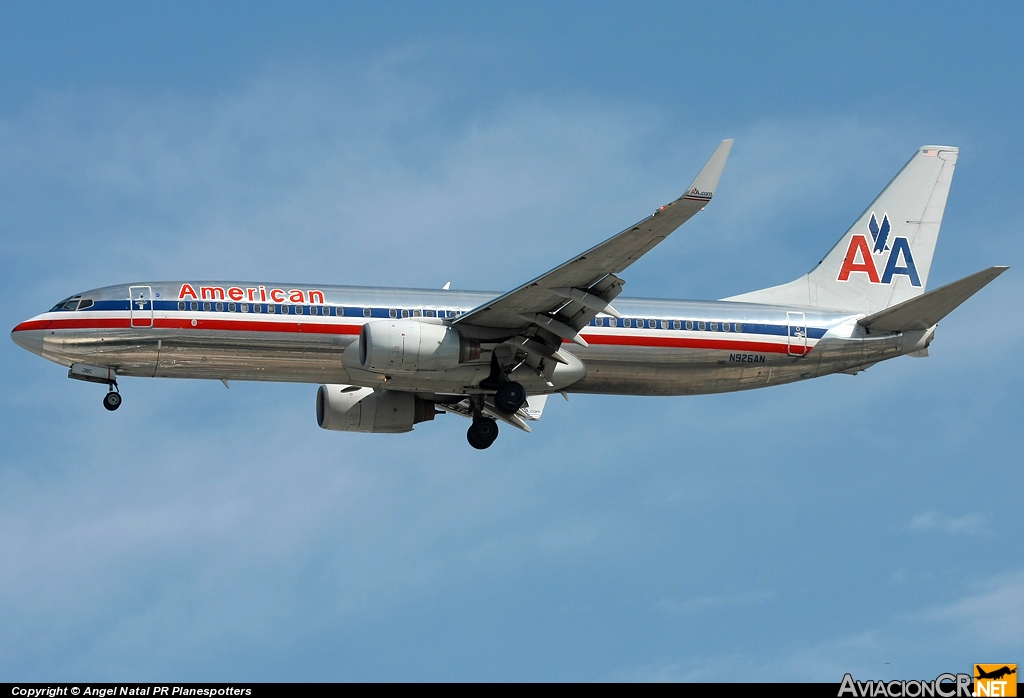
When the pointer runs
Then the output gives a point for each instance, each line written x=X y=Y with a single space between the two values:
x=186 y=324
x=326 y=328
x=32 y=325
x=694 y=343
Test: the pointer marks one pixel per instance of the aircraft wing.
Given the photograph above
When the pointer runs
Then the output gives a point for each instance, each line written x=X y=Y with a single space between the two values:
x=567 y=298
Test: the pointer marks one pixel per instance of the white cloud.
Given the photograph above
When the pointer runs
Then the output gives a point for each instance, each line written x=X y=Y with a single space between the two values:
x=993 y=614
x=975 y=524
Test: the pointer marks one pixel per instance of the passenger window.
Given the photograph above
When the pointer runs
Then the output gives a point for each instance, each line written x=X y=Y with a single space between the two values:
x=700 y=325
x=193 y=306
x=297 y=309
x=689 y=324
x=664 y=324
x=270 y=309
x=181 y=305
x=417 y=313
x=405 y=313
x=257 y=308
x=714 y=327
x=739 y=327
x=244 y=307
x=676 y=325
x=206 y=306
x=725 y=326
x=393 y=313
x=366 y=312
x=231 y=307
x=220 y=307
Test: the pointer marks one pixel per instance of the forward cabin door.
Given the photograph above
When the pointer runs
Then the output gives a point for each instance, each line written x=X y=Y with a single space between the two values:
x=797 y=333
x=141 y=306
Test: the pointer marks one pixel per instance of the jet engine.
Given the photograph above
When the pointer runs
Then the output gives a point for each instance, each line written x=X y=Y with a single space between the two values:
x=407 y=346
x=348 y=408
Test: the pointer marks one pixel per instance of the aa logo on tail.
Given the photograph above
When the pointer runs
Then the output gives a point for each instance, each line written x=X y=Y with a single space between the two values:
x=860 y=256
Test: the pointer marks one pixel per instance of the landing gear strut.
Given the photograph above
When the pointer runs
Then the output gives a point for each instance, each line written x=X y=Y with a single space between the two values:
x=112 y=400
x=510 y=397
x=482 y=433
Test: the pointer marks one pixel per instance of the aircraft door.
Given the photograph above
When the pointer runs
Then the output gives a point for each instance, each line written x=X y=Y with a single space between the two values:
x=797 y=333
x=141 y=306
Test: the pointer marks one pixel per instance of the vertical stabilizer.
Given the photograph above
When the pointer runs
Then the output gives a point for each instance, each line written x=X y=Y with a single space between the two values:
x=885 y=257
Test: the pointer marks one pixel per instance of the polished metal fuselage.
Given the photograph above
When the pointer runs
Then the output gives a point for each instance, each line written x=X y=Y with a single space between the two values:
x=693 y=347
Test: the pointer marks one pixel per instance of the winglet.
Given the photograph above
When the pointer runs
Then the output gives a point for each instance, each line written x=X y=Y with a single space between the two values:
x=703 y=187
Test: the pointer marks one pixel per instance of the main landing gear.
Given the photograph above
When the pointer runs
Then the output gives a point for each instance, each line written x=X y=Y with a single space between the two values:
x=112 y=400
x=482 y=432
x=509 y=397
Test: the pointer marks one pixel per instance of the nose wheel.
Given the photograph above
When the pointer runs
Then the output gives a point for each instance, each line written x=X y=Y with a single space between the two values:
x=112 y=400
x=482 y=432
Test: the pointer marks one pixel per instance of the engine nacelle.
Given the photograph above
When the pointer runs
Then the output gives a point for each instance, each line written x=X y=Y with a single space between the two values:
x=407 y=346
x=347 y=408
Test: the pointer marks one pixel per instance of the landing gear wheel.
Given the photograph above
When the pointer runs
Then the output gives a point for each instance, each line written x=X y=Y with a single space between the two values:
x=482 y=433
x=510 y=397
x=112 y=400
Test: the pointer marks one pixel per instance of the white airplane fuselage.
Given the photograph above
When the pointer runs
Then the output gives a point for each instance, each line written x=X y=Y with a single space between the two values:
x=656 y=347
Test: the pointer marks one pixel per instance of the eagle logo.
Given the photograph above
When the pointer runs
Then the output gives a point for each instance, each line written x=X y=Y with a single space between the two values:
x=879 y=233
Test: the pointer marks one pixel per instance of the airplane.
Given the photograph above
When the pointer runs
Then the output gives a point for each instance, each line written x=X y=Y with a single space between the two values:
x=995 y=674
x=390 y=358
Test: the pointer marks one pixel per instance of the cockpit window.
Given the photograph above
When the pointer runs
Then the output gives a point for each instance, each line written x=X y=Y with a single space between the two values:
x=67 y=304
x=85 y=303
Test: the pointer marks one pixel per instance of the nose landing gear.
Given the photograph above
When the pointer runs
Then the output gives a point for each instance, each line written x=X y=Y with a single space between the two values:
x=112 y=400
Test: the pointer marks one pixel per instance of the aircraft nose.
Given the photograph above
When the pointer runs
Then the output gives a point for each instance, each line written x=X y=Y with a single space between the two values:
x=30 y=339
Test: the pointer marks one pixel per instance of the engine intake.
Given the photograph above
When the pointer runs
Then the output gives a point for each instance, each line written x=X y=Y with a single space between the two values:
x=407 y=346
x=348 y=408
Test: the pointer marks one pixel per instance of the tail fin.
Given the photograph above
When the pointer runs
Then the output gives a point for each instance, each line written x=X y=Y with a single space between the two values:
x=885 y=257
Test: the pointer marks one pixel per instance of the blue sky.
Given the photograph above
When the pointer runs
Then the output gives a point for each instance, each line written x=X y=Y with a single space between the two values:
x=861 y=524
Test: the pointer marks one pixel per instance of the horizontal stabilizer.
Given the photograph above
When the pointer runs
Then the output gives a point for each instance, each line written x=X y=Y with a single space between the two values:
x=926 y=310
